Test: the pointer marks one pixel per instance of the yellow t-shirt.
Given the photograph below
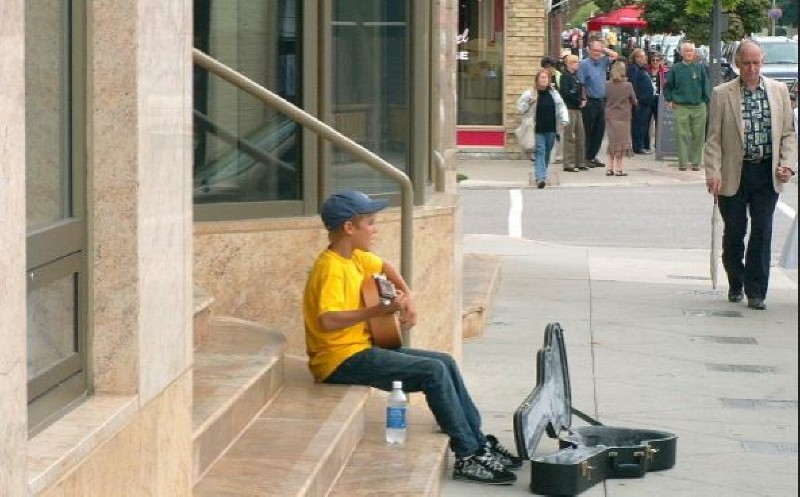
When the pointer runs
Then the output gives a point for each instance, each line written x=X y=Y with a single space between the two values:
x=334 y=284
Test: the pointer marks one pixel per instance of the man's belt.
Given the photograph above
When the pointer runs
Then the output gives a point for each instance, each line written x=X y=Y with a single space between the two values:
x=601 y=99
x=757 y=161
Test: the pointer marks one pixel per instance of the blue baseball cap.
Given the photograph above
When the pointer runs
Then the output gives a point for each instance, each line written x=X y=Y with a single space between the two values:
x=342 y=206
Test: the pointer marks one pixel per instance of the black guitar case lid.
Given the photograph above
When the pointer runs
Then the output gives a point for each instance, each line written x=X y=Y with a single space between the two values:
x=589 y=454
x=549 y=406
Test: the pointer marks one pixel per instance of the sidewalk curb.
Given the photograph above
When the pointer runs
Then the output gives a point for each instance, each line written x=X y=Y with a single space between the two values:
x=481 y=278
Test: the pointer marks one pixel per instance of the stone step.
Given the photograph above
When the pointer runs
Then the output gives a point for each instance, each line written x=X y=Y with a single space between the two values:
x=377 y=468
x=295 y=447
x=237 y=369
x=202 y=316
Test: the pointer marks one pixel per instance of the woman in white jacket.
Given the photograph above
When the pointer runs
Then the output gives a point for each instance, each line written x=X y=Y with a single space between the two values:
x=547 y=112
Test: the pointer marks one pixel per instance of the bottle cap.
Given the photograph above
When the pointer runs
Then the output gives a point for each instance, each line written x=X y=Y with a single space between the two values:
x=397 y=385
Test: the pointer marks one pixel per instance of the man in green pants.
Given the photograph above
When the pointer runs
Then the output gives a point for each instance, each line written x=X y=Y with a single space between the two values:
x=687 y=93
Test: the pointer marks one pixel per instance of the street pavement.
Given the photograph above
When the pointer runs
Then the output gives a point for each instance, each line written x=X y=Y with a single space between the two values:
x=650 y=345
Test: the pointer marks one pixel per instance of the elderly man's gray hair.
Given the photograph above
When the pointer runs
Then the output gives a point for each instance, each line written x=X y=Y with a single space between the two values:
x=746 y=42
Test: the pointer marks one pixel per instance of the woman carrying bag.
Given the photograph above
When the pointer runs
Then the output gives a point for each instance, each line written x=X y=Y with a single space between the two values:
x=544 y=110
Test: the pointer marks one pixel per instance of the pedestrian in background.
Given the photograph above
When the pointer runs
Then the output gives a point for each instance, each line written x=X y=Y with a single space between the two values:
x=592 y=76
x=620 y=101
x=545 y=105
x=643 y=112
x=574 y=99
x=550 y=64
x=611 y=39
x=751 y=145
x=576 y=41
x=658 y=76
x=687 y=93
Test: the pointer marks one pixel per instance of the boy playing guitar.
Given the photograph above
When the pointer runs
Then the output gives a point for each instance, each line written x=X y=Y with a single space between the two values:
x=341 y=351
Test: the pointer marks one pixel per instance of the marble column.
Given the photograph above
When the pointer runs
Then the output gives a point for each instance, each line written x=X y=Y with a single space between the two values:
x=13 y=407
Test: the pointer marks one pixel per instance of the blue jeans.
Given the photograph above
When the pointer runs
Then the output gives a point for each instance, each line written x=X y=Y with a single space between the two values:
x=541 y=154
x=434 y=373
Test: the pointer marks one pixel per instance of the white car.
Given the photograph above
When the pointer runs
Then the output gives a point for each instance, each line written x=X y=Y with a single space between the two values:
x=780 y=59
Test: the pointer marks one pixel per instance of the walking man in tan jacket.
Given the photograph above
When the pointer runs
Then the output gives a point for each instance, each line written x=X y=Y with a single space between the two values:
x=751 y=143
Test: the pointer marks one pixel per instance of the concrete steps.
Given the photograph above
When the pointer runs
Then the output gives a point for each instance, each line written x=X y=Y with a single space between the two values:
x=295 y=447
x=237 y=369
x=261 y=426
x=377 y=468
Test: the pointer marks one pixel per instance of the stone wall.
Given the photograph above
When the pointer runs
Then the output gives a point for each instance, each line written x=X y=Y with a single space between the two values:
x=526 y=39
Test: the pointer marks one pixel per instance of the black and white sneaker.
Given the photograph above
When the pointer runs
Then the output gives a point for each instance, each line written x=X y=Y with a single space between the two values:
x=482 y=467
x=503 y=455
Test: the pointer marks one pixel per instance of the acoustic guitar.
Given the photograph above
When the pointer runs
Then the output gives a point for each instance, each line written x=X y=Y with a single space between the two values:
x=385 y=329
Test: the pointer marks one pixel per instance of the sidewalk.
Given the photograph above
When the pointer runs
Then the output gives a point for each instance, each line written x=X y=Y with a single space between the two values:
x=649 y=345
x=641 y=169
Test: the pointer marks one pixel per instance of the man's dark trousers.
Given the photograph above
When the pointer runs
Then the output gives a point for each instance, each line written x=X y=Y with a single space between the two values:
x=594 y=125
x=757 y=194
x=640 y=127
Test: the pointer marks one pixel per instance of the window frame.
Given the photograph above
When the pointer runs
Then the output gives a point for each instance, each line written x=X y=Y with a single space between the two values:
x=59 y=250
x=316 y=74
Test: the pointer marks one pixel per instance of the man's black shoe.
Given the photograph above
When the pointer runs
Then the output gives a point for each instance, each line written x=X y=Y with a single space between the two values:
x=596 y=163
x=583 y=168
x=540 y=185
x=756 y=303
x=571 y=169
x=735 y=296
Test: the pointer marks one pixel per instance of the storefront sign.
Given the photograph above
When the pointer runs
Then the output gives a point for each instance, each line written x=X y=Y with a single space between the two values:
x=462 y=39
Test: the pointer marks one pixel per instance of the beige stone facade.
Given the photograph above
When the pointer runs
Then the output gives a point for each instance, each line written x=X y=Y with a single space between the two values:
x=133 y=434
x=526 y=39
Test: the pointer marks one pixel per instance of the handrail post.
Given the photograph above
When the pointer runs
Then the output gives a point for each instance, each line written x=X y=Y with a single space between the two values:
x=323 y=130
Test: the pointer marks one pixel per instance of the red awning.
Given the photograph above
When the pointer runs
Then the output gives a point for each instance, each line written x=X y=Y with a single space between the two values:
x=625 y=17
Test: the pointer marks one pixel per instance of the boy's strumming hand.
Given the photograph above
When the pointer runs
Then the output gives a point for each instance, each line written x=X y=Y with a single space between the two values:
x=405 y=305
x=408 y=317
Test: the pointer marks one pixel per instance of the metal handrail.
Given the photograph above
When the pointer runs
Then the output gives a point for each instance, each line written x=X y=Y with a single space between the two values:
x=231 y=139
x=323 y=130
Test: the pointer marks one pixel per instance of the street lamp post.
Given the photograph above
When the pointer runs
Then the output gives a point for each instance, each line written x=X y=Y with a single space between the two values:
x=716 y=41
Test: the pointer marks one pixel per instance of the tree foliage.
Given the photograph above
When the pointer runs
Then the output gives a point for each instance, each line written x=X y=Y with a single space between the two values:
x=693 y=17
x=789 y=17
x=579 y=15
x=609 y=5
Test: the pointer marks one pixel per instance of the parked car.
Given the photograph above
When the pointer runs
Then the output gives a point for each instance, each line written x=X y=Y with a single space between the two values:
x=780 y=59
x=669 y=45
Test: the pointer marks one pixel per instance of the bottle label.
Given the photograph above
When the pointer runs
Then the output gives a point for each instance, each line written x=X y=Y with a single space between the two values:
x=396 y=417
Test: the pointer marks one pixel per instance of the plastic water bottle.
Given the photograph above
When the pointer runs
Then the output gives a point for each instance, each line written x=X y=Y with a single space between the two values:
x=396 y=408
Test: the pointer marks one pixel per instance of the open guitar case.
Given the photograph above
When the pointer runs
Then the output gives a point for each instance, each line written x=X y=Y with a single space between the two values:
x=588 y=454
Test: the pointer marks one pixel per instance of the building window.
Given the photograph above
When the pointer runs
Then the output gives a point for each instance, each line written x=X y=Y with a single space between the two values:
x=370 y=66
x=245 y=152
x=480 y=62
x=348 y=62
x=56 y=229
